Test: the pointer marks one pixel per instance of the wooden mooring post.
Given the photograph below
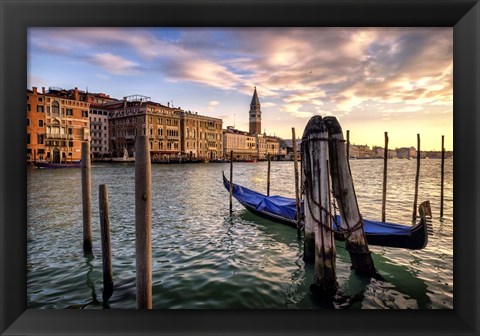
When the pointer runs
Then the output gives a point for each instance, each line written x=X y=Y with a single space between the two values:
x=86 y=198
x=319 y=237
x=106 y=247
x=384 y=192
x=231 y=182
x=268 y=174
x=143 y=222
x=417 y=177
x=348 y=144
x=442 y=176
x=351 y=222
x=297 y=191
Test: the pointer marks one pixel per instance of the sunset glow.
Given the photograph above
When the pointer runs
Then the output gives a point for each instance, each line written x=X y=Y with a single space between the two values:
x=374 y=80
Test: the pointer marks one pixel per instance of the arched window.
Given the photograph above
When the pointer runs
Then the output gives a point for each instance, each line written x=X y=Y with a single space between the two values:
x=55 y=107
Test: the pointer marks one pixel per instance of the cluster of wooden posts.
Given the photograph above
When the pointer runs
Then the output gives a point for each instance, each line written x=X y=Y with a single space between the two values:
x=324 y=159
x=143 y=223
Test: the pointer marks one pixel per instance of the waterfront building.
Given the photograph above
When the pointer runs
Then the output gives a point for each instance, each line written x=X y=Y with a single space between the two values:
x=201 y=136
x=243 y=144
x=360 y=151
x=57 y=124
x=270 y=145
x=137 y=115
x=99 y=143
x=406 y=152
x=288 y=147
x=98 y=115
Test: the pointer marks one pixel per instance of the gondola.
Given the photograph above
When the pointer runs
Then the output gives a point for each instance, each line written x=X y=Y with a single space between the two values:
x=283 y=210
x=42 y=164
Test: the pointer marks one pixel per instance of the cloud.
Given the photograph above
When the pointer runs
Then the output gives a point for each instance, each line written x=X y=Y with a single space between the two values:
x=203 y=72
x=115 y=64
x=212 y=105
x=340 y=70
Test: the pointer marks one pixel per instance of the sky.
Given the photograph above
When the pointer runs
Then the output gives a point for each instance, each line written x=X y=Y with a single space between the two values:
x=374 y=80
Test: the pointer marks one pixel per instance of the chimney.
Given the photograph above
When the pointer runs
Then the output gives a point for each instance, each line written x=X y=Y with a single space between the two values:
x=43 y=89
x=124 y=102
x=76 y=94
x=34 y=89
x=168 y=104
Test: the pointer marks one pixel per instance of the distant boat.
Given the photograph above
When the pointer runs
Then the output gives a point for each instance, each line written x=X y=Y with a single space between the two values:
x=124 y=158
x=219 y=161
x=283 y=210
x=43 y=164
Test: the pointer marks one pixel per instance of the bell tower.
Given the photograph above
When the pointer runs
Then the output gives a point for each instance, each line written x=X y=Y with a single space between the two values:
x=255 y=115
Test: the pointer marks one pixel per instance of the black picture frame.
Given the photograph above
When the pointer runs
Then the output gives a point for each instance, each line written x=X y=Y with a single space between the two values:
x=17 y=16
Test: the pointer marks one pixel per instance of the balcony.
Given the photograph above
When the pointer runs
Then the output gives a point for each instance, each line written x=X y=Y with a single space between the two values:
x=59 y=136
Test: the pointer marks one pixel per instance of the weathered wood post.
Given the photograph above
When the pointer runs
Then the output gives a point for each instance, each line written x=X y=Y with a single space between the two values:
x=348 y=144
x=442 y=177
x=417 y=176
x=384 y=193
x=231 y=181
x=86 y=198
x=343 y=189
x=297 y=191
x=143 y=222
x=106 y=247
x=318 y=221
x=268 y=175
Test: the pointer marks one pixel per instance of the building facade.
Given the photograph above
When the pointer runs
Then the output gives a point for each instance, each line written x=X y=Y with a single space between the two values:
x=138 y=115
x=243 y=144
x=270 y=145
x=99 y=116
x=201 y=136
x=57 y=124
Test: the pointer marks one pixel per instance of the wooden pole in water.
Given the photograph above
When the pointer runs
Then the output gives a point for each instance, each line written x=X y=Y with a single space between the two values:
x=442 y=177
x=348 y=144
x=318 y=221
x=86 y=198
x=231 y=182
x=143 y=222
x=417 y=176
x=384 y=193
x=297 y=192
x=268 y=176
x=106 y=247
x=344 y=192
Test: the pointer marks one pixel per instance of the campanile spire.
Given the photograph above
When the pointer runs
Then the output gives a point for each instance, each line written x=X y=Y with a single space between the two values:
x=255 y=114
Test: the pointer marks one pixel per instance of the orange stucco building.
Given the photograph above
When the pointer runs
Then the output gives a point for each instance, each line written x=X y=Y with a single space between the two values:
x=57 y=124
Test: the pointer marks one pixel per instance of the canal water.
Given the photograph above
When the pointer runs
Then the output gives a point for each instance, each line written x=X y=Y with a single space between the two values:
x=205 y=258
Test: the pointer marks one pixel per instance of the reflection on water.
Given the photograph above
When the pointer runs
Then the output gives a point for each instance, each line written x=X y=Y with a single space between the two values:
x=204 y=258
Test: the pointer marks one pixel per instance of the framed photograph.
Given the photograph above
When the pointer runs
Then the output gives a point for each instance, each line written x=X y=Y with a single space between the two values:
x=266 y=67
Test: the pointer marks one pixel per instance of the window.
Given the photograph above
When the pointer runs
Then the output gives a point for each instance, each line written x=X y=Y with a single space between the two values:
x=39 y=108
x=40 y=123
x=40 y=139
x=28 y=107
x=40 y=99
x=69 y=112
x=28 y=138
x=28 y=122
x=84 y=114
x=55 y=107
